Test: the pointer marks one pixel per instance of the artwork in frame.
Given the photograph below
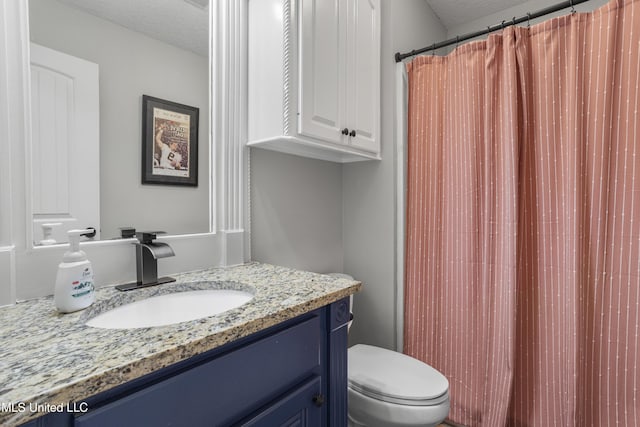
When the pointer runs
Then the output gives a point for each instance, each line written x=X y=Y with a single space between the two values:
x=169 y=142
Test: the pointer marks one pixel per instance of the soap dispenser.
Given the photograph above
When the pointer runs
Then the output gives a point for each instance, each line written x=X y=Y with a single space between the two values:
x=74 y=282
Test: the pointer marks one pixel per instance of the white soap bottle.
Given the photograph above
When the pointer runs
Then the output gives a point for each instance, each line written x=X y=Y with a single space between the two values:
x=74 y=282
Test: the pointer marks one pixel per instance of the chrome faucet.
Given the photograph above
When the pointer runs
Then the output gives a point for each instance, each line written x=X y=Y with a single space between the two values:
x=147 y=254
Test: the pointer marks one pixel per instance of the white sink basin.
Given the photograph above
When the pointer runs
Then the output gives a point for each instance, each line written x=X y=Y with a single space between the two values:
x=171 y=308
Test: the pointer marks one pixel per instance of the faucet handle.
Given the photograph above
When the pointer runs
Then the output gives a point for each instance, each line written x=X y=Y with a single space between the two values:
x=148 y=236
x=127 y=232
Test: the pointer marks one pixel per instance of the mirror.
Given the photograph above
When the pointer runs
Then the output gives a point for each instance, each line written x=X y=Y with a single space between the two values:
x=91 y=62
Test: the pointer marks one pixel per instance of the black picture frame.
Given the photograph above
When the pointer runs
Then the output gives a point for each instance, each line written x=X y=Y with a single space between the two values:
x=169 y=142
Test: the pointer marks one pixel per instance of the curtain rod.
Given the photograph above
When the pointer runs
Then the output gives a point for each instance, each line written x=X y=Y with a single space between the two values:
x=514 y=21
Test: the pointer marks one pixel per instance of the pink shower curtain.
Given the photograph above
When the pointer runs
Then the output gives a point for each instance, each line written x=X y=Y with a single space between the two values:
x=522 y=276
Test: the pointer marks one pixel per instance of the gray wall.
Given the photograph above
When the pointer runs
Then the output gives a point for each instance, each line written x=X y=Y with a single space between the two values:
x=296 y=211
x=369 y=188
x=318 y=215
x=132 y=64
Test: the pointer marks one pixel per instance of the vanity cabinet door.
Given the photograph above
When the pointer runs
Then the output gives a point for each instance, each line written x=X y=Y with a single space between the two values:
x=301 y=407
x=221 y=391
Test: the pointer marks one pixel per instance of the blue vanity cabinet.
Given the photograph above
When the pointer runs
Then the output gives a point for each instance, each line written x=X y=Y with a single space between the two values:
x=293 y=373
x=294 y=409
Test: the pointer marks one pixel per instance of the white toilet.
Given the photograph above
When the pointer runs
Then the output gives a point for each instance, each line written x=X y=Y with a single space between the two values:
x=391 y=389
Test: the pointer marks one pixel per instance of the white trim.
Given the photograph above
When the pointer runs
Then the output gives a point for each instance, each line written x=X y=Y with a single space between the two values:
x=28 y=132
x=12 y=124
x=308 y=147
x=401 y=163
x=114 y=261
x=247 y=204
x=7 y=275
x=83 y=245
x=5 y=120
x=229 y=110
x=213 y=165
x=234 y=241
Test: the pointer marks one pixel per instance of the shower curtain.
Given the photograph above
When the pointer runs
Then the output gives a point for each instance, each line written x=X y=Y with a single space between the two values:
x=522 y=275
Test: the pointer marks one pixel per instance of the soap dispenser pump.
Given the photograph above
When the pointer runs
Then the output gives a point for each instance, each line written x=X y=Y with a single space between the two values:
x=74 y=281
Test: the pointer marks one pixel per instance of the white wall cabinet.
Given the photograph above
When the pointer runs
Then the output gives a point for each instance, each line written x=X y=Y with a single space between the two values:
x=314 y=78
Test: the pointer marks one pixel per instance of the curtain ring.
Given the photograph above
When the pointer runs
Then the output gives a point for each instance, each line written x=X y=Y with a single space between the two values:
x=502 y=24
x=514 y=21
x=573 y=9
x=528 y=19
x=457 y=41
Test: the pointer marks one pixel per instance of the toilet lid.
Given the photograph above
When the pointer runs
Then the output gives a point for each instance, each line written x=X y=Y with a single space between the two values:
x=394 y=377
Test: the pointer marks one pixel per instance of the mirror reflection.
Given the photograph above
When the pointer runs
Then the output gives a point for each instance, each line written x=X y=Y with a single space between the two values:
x=91 y=63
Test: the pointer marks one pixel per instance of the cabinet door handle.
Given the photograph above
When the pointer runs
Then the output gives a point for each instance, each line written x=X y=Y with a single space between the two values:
x=345 y=131
x=318 y=400
x=353 y=133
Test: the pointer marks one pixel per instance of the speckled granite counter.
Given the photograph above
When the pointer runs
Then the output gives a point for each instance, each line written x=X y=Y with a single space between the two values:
x=50 y=358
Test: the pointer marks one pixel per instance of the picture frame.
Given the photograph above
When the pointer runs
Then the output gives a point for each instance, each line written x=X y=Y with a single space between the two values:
x=169 y=142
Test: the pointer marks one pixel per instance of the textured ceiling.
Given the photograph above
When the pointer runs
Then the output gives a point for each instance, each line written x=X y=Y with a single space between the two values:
x=182 y=23
x=456 y=12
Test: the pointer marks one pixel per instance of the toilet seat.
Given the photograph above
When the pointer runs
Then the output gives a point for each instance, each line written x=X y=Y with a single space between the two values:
x=393 y=377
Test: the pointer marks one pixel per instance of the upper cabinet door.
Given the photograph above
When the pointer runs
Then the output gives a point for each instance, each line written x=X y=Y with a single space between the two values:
x=363 y=73
x=322 y=98
x=322 y=80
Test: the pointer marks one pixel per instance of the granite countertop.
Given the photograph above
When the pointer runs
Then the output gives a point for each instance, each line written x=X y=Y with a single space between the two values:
x=50 y=358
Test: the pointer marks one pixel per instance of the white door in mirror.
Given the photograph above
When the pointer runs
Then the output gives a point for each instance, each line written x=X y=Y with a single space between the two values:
x=65 y=154
x=171 y=308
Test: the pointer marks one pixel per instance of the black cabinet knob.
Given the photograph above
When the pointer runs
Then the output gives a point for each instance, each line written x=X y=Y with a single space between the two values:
x=345 y=131
x=353 y=133
x=318 y=400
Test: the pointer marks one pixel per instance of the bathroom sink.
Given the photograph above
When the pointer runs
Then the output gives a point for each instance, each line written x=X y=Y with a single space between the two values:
x=171 y=308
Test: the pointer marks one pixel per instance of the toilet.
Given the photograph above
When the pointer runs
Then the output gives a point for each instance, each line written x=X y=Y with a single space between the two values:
x=391 y=389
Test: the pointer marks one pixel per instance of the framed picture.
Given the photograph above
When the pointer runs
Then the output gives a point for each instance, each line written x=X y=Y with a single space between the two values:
x=169 y=142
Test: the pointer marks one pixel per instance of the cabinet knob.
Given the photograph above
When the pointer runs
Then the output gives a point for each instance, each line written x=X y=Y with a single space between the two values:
x=345 y=131
x=318 y=400
x=353 y=133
